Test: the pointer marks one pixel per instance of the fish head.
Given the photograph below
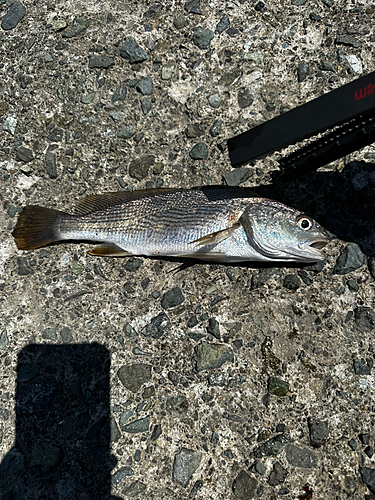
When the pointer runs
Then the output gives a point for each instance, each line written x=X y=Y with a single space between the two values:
x=282 y=233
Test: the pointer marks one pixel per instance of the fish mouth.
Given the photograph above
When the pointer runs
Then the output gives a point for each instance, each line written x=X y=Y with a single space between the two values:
x=319 y=244
x=312 y=251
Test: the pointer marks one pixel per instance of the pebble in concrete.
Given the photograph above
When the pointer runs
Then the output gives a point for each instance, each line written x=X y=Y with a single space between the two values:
x=167 y=71
x=364 y=318
x=134 y=489
x=76 y=29
x=271 y=447
x=199 y=151
x=134 y=376
x=348 y=40
x=202 y=38
x=10 y=124
x=368 y=477
x=278 y=475
x=300 y=457
x=145 y=86
x=3 y=339
x=172 y=298
x=119 y=94
x=237 y=176
x=145 y=105
x=318 y=430
x=209 y=356
x=302 y=72
x=177 y=405
x=215 y=100
x=103 y=62
x=216 y=128
x=50 y=164
x=278 y=387
x=291 y=282
x=126 y=132
x=139 y=167
x=158 y=325
x=244 y=486
x=222 y=25
x=119 y=475
x=360 y=368
x=185 y=465
x=14 y=15
x=213 y=327
x=194 y=130
x=245 y=97
x=138 y=426
x=24 y=154
x=350 y=259
x=131 y=51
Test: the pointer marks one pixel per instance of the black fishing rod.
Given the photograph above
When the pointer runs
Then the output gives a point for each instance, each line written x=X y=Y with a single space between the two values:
x=343 y=120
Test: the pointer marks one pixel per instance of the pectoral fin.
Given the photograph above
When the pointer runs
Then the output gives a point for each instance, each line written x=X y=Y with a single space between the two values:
x=109 y=250
x=214 y=238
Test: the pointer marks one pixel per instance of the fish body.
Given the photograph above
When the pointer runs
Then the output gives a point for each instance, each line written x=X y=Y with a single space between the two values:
x=219 y=224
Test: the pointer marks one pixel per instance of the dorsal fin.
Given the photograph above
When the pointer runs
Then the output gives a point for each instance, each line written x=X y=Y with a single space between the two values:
x=95 y=202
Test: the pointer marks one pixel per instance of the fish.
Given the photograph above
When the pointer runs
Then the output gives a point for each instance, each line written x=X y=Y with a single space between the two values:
x=211 y=223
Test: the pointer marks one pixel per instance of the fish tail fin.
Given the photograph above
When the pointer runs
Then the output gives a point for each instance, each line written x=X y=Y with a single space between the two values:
x=36 y=227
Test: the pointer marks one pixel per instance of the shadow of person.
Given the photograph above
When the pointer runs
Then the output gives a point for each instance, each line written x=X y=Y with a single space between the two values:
x=343 y=202
x=61 y=449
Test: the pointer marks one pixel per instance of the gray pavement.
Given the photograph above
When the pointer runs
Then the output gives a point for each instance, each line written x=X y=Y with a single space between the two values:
x=142 y=378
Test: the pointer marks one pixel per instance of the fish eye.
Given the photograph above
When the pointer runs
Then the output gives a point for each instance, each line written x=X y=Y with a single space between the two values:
x=304 y=223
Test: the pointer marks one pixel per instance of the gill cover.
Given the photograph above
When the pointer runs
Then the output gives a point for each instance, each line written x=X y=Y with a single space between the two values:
x=263 y=248
x=257 y=213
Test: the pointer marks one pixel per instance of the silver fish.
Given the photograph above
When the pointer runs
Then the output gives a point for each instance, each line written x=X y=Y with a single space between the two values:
x=212 y=223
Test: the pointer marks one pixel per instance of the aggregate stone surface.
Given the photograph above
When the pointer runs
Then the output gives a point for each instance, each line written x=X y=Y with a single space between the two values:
x=144 y=378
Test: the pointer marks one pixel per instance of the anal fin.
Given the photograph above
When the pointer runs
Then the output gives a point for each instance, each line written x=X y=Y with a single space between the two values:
x=216 y=237
x=109 y=250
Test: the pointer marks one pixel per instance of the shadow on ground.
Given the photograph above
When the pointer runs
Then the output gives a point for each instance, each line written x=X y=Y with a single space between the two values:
x=62 y=425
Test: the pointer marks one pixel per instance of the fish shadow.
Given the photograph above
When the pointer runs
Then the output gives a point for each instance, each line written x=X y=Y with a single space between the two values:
x=63 y=428
x=342 y=202
x=185 y=263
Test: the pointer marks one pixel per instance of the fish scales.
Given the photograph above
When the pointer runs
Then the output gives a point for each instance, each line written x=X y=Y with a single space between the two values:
x=171 y=220
x=211 y=223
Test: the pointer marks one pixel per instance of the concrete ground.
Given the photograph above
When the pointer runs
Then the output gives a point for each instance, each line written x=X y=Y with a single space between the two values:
x=142 y=378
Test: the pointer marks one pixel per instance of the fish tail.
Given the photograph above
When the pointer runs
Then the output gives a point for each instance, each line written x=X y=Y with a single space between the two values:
x=36 y=227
